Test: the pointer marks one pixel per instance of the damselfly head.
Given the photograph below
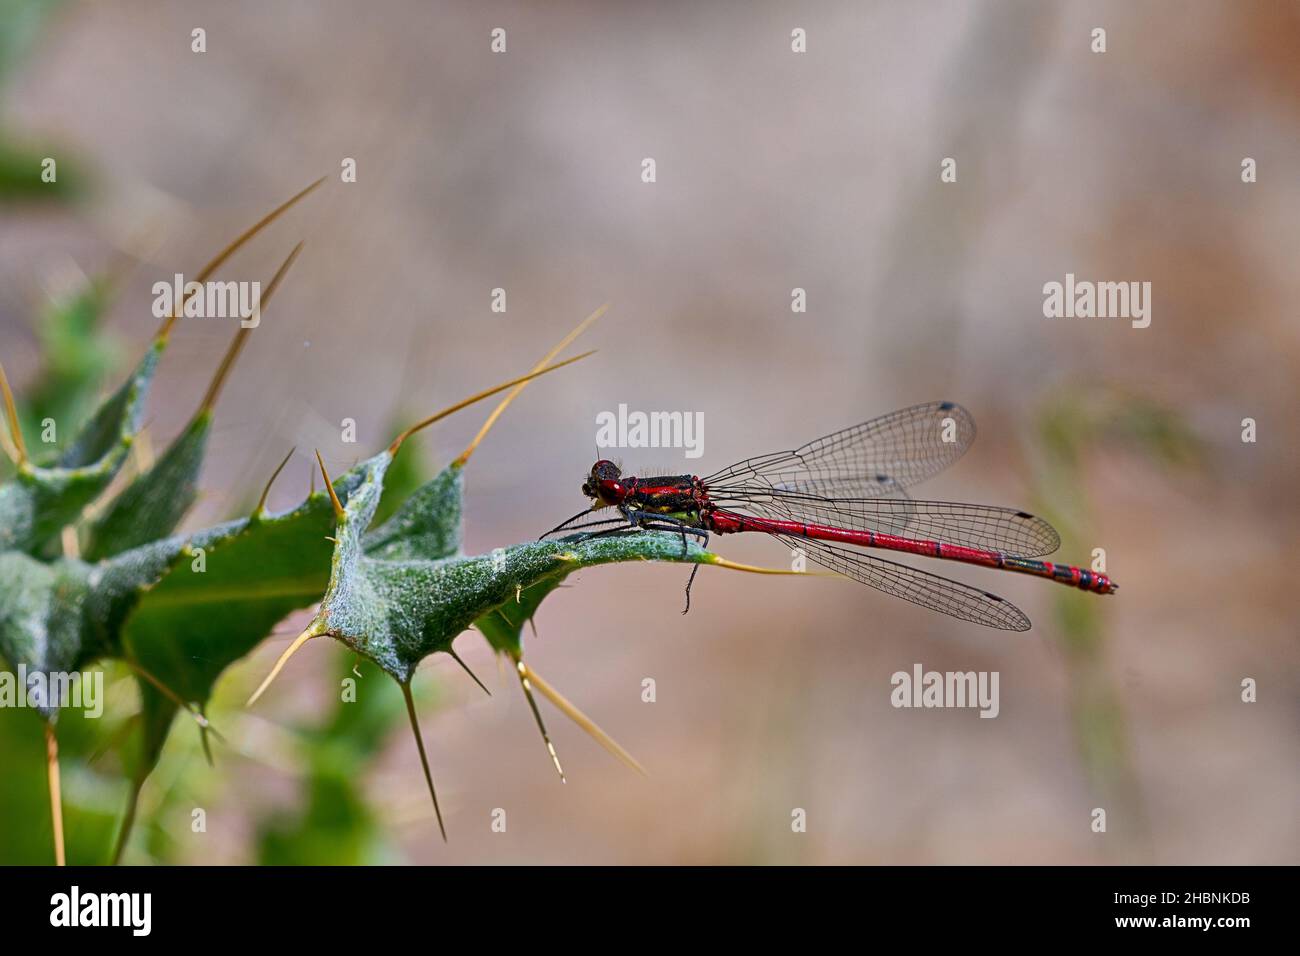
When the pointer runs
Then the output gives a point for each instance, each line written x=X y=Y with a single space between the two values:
x=602 y=484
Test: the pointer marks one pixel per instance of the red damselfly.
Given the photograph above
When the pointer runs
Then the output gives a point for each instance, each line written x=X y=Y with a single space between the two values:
x=849 y=488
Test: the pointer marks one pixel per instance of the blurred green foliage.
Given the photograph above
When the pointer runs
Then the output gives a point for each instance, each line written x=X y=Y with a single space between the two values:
x=93 y=786
x=21 y=22
x=1073 y=426
x=336 y=825
x=21 y=167
x=76 y=358
x=1073 y=422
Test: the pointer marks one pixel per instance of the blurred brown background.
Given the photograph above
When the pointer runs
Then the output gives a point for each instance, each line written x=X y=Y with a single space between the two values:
x=775 y=171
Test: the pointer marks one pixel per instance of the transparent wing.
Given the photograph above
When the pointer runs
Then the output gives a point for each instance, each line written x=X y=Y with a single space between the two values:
x=911 y=584
x=876 y=458
x=973 y=526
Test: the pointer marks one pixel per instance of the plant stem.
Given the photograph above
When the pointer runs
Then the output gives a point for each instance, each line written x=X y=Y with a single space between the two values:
x=128 y=821
x=56 y=793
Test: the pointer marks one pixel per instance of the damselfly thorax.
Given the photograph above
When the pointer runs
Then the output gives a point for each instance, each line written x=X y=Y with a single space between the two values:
x=681 y=496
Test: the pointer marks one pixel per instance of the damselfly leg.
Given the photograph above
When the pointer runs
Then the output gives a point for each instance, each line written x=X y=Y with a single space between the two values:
x=659 y=522
x=634 y=520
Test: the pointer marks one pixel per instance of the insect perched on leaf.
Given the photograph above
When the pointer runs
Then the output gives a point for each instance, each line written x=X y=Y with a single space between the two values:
x=848 y=488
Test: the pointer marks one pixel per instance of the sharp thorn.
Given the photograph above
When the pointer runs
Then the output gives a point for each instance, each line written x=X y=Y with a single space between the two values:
x=522 y=670
x=473 y=676
x=292 y=649
x=19 y=451
x=234 y=247
x=237 y=344
x=171 y=695
x=397 y=442
x=424 y=759
x=718 y=562
x=207 y=745
x=261 y=502
x=579 y=718
x=329 y=486
x=514 y=393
